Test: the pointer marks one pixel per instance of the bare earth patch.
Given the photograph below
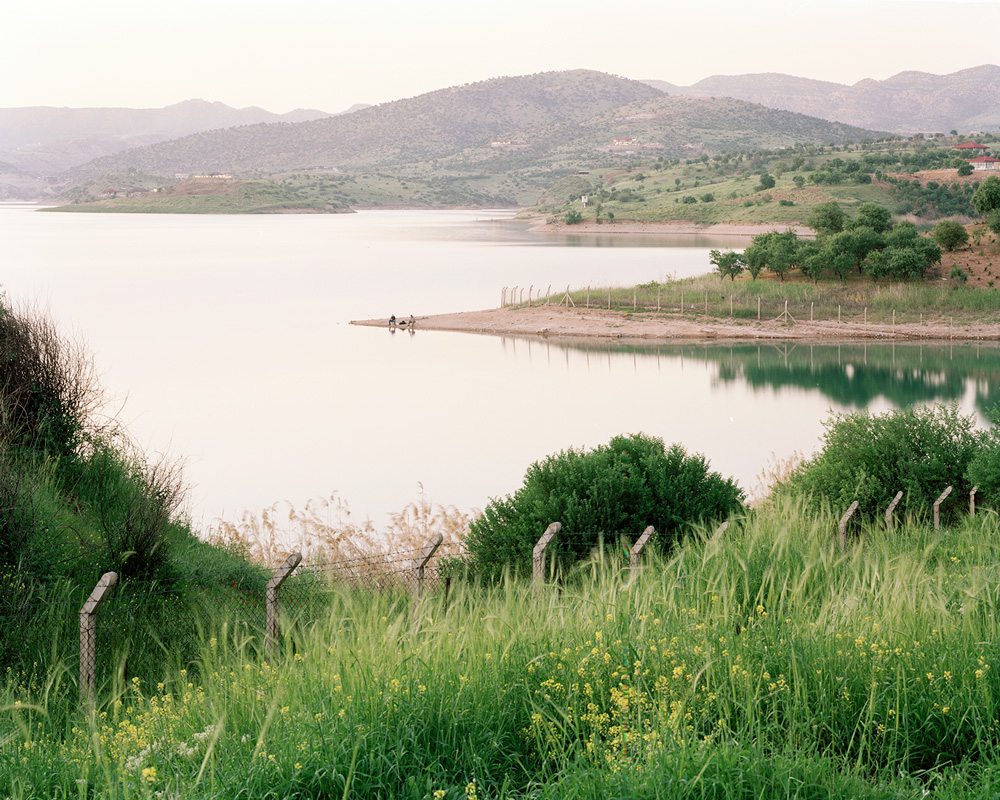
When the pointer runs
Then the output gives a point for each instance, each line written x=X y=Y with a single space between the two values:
x=560 y=321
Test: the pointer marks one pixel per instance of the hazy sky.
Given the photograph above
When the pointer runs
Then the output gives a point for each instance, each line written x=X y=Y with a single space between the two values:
x=330 y=54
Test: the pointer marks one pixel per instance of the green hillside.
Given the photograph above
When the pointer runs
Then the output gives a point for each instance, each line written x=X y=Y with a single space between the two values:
x=206 y=196
x=914 y=177
x=495 y=143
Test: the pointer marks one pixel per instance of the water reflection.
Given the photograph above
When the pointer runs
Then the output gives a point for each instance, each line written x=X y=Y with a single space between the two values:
x=853 y=375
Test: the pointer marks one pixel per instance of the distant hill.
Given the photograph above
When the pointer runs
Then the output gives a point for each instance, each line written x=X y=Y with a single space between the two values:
x=552 y=120
x=48 y=140
x=910 y=102
x=207 y=195
x=422 y=128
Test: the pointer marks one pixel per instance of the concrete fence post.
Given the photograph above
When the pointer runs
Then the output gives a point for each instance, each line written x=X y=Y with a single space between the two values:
x=88 y=636
x=538 y=556
x=633 y=554
x=843 y=525
x=972 y=500
x=273 y=585
x=937 y=508
x=420 y=562
x=891 y=508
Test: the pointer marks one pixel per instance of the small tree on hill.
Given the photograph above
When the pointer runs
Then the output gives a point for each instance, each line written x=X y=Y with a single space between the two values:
x=950 y=235
x=766 y=182
x=827 y=218
x=874 y=216
x=728 y=264
x=987 y=197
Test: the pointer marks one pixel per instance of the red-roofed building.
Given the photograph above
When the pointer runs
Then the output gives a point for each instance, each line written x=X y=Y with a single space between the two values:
x=970 y=146
x=985 y=162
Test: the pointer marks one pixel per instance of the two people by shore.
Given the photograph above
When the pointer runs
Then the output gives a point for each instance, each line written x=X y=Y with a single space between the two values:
x=402 y=323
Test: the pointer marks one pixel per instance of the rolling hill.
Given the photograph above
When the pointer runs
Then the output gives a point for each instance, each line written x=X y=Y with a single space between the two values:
x=557 y=120
x=909 y=102
x=49 y=140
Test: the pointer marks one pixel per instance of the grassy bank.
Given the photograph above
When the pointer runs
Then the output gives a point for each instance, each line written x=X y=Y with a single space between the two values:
x=762 y=663
x=855 y=301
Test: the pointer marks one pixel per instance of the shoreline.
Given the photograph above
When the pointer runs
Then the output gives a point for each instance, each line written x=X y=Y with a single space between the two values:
x=667 y=228
x=552 y=321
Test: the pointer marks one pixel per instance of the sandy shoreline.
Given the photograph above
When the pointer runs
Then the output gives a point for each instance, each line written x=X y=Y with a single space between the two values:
x=670 y=228
x=559 y=321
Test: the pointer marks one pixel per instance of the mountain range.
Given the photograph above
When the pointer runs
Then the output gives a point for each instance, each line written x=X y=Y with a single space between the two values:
x=910 y=102
x=548 y=120
x=48 y=140
x=511 y=135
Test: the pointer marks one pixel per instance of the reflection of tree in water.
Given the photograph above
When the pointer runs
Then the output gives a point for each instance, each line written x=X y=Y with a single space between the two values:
x=853 y=375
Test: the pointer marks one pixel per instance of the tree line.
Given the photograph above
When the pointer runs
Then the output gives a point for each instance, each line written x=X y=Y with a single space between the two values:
x=869 y=242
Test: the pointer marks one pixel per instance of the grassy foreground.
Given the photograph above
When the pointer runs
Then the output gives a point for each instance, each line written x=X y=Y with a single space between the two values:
x=763 y=663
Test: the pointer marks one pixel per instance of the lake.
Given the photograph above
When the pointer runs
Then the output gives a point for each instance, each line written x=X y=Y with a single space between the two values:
x=225 y=340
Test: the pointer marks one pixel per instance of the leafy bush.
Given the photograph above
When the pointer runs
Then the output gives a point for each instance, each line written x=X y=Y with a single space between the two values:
x=869 y=458
x=573 y=217
x=984 y=469
x=621 y=487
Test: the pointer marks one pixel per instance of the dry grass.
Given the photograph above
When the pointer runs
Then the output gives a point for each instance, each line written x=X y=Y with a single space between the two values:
x=326 y=534
x=777 y=470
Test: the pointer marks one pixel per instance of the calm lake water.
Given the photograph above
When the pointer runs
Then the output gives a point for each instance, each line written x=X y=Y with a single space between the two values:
x=225 y=341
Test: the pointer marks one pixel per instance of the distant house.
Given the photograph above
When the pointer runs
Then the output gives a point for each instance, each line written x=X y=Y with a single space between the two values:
x=985 y=162
x=970 y=146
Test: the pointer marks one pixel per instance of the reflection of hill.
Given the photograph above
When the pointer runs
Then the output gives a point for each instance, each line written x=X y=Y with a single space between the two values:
x=852 y=375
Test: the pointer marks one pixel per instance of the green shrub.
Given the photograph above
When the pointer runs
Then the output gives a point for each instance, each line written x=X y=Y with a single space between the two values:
x=618 y=488
x=131 y=502
x=868 y=458
x=48 y=386
x=573 y=217
x=984 y=469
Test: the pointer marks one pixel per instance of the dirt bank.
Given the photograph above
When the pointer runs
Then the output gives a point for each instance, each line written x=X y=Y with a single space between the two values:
x=559 y=321
x=671 y=227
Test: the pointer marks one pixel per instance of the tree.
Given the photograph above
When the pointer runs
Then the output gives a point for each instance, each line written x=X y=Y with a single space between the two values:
x=987 y=197
x=624 y=486
x=814 y=264
x=799 y=181
x=773 y=251
x=840 y=264
x=573 y=217
x=856 y=243
x=993 y=221
x=874 y=216
x=876 y=265
x=965 y=168
x=728 y=264
x=950 y=234
x=827 y=218
x=766 y=181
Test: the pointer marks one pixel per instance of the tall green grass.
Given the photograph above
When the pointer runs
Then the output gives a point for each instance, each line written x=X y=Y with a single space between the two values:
x=761 y=663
